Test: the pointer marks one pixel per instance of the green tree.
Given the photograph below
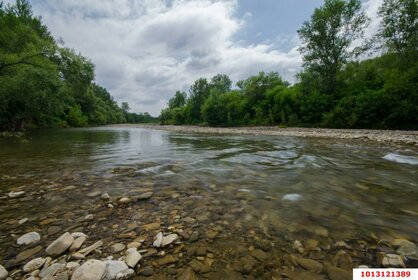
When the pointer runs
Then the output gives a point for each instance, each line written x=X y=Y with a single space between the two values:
x=221 y=83
x=178 y=100
x=327 y=38
x=199 y=91
x=399 y=28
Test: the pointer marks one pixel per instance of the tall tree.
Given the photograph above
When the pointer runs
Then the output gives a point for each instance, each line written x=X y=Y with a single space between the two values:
x=399 y=27
x=178 y=100
x=328 y=37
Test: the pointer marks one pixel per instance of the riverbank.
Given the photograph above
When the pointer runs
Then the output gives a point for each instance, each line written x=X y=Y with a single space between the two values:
x=409 y=137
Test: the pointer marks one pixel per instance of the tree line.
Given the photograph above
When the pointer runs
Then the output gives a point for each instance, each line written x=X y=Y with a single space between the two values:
x=45 y=84
x=337 y=87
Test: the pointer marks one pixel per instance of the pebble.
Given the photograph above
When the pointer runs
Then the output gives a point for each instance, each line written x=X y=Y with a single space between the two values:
x=13 y=194
x=390 y=260
x=113 y=268
x=90 y=270
x=91 y=248
x=29 y=238
x=309 y=264
x=3 y=273
x=124 y=200
x=78 y=242
x=335 y=273
x=60 y=245
x=343 y=260
x=51 y=270
x=22 y=221
x=116 y=248
x=134 y=244
x=259 y=255
x=147 y=271
x=105 y=196
x=132 y=257
x=187 y=274
x=78 y=234
x=297 y=245
x=34 y=265
x=144 y=196
x=27 y=254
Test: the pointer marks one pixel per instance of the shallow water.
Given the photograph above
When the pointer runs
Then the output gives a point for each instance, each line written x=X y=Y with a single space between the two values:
x=341 y=189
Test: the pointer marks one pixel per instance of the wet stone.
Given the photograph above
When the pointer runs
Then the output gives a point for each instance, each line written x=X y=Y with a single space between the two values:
x=27 y=254
x=29 y=238
x=147 y=271
x=259 y=255
x=187 y=274
x=54 y=230
x=309 y=264
x=116 y=248
x=60 y=245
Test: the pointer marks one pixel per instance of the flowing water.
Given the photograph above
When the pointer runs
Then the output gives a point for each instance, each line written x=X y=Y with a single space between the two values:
x=278 y=186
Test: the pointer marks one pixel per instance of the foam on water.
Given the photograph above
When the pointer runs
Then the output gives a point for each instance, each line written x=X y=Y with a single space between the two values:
x=292 y=197
x=401 y=158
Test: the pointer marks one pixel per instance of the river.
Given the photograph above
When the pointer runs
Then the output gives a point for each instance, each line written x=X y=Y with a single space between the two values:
x=259 y=191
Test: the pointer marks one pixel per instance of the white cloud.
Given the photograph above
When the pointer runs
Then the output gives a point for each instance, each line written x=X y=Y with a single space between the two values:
x=146 y=50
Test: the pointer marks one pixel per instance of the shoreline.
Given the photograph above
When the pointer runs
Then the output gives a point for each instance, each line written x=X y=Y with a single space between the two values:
x=404 y=137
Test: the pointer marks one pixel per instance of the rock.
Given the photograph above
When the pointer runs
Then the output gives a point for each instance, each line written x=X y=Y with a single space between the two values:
x=390 y=260
x=62 y=276
x=105 y=196
x=71 y=266
x=91 y=248
x=311 y=245
x=78 y=256
x=153 y=226
x=22 y=221
x=211 y=234
x=13 y=194
x=27 y=254
x=297 y=245
x=60 y=245
x=125 y=275
x=167 y=260
x=406 y=248
x=134 y=244
x=303 y=275
x=90 y=270
x=201 y=251
x=342 y=245
x=54 y=230
x=144 y=196
x=50 y=271
x=3 y=273
x=187 y=274
x=335 y=273
x=33 y=265
x=78 y=242
x=78 y=234
x=158 y=240
x=89 y=217
x=132 y=257
x=259 y=255
x=189 y=220
x=309 y=264
x=124 y=200
x=116 y=248
x=29 y=238
x=343 y=260
x=147 y=271
x=113 y=268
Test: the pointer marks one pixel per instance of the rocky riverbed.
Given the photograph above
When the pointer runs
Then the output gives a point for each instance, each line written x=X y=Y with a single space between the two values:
x=175 y=234
x=397 y=137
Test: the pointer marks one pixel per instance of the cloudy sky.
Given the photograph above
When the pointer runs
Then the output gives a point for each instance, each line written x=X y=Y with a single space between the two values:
x=145 y=50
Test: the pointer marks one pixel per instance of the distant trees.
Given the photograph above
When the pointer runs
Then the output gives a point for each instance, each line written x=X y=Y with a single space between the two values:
x=333 y=90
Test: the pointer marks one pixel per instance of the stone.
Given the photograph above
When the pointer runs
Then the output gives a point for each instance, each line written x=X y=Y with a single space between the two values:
x=29 y=238
x=51 y=270
x=167 y=260
x=62 y=276
x=153 y=226
x=91 y=248
x=311 y=245
x=3 y=273
x=22 y=221
x=201 y=251
x=89 y=217
x=78 y=234
x=90 y=270
x=147 y=271
x=78 y=242
x=116 y=248
x=309 y=264
x=78 y=256
x=167 y=240
x=134 y=244
x=259 y=255
x=144 y=196
x=132 y=257
x=297 y=246
x=13 y=194
x=211 y=234
x=113 y=268
x=60 y=245
x=187 y=274
x=124 y=200
x=54 y=230
x=71 y=266
x=27 y=254
x=189 y=220
x=34 y=265
x=125 y=275
x=342 y=245
x=405 y=247
x=335 y=273
x=158 y=240
x=390 y=260
x=343 y=260
x=105 y=196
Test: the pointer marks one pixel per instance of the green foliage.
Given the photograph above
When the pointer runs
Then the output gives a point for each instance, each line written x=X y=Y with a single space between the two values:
x=328 y=36
x=45 y=85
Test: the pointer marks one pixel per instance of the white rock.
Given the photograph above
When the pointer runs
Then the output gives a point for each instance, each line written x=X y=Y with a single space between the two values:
x=13 y=194
x=116 y=248
x=34 y=265
x=29 y=238
x=132 y=257
x=169 y=239
x=90 y=270
x=51 y=270
x=77 y=243
x=72 y=266
x=91 y=248
x=22 y=221
x=158 y=240
x=105 y=196
x=3 y=273
x=78 y=234
x=89 y=217
x=126 y=275
x=60 y=245
x=390 y=260
x=113 y=268
x=124 y=200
